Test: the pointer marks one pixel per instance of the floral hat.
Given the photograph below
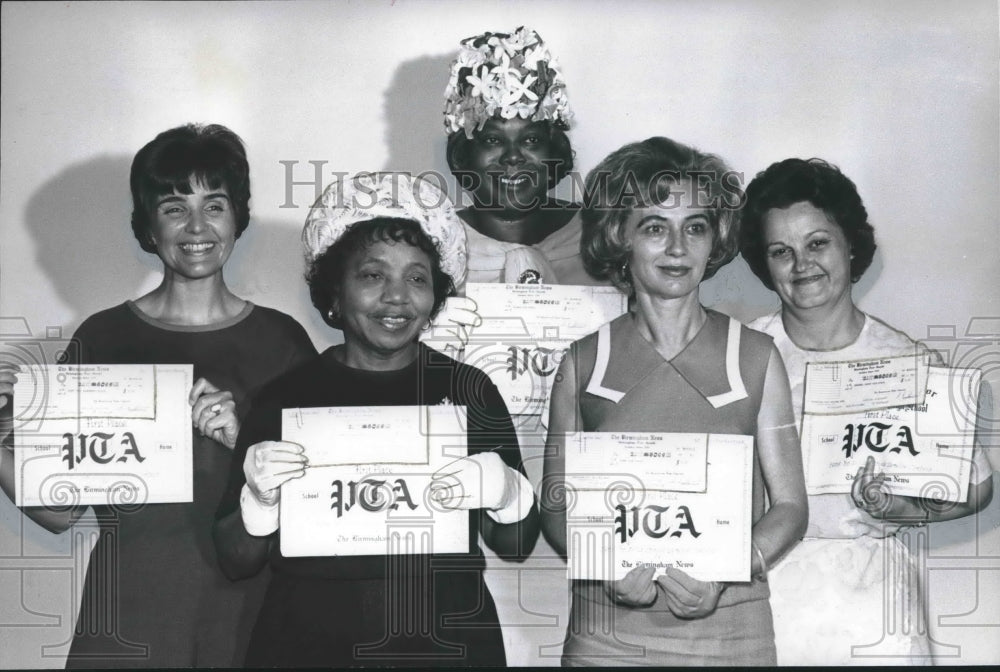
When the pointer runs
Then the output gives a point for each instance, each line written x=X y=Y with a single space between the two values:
x=507 y=75
x=365 y=196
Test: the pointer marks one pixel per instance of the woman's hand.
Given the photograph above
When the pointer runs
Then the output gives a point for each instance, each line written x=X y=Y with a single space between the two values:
x=869 y=496
x=483 y=481
x=213 y=412
x=635 y=589
x=867 y=492
x=452 y=325
x=268 y=464
x=687 y=597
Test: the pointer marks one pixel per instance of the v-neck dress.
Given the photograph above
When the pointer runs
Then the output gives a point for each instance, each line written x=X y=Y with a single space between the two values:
x=715 y=385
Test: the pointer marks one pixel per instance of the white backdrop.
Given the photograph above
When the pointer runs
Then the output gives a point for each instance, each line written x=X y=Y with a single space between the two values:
x=902 y=95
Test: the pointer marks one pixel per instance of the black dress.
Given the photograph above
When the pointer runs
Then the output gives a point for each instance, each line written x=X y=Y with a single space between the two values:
x=154 y=595
x=431 y=609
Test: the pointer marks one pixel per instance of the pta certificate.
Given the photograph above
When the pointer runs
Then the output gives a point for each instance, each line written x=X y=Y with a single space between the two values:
x=664 y=500
x=366 y=489
x=526 y=330
x=923 y=443
x=103 y=434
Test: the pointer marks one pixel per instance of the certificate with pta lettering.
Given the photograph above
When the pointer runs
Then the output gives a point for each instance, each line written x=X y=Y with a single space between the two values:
x=526 y=330
x=366 y=489
x=924 y=446
x=103 y=434
x=665 y=500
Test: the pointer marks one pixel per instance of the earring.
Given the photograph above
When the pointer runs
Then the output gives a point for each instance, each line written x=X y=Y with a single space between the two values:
x=331 y=315
x=625 y=272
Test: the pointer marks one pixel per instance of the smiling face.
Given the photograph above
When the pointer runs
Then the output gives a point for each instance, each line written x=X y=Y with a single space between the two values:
x=509 y=156
x=808 y=256
x=194 y=233
x=670 y=245
x=385 y=299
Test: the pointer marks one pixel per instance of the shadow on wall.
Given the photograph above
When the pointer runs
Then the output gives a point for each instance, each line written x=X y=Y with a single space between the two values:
x=268 y=268
x=79 y=220
x=414 y=119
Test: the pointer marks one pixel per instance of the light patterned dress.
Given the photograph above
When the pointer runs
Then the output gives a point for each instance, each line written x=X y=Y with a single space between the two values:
x=850 y=592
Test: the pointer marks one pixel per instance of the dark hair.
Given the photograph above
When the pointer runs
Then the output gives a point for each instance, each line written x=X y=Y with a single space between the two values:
x=326 y=273
x=459 y=147
x=815 y=181
x=211 y=155
x=639 y=175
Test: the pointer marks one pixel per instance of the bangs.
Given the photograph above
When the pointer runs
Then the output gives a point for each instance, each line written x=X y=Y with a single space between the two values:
x=179 y=168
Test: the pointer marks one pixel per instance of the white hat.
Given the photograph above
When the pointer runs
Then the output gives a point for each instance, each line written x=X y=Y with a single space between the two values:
x=365 y=196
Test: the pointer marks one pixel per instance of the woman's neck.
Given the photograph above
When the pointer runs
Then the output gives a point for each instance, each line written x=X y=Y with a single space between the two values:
x=349 y=354
x=824 y=327
x=669 y=324
x=514 y=226
x=185 y=302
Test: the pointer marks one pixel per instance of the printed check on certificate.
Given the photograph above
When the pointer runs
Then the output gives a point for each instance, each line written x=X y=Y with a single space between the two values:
x=101 y=434
x=612 y=526
x=526 y=330
x=923 y=444
x=366 y=486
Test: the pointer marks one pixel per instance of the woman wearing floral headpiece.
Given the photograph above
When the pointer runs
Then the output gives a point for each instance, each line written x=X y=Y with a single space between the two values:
x=506 y=116
x=384 y=252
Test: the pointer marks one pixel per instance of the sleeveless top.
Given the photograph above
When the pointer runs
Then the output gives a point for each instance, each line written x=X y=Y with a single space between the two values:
x=714 y=385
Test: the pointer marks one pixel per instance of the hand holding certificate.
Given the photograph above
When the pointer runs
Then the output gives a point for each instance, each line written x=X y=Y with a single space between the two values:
x=697 y=518
x=103 y=434
x=367 y=489
x=924 y=446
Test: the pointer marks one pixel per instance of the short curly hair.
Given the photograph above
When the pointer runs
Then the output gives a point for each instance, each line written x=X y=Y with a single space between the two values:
x=325 y=275
x=640 y=175
x=815 y=181
x=459 y=147
x=211 y=155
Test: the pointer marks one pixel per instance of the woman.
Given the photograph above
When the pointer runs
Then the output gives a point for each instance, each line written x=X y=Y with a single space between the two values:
x=671 y=365
x=506 y=116
x=806 y=236
x=384 y=251
x=154 y=596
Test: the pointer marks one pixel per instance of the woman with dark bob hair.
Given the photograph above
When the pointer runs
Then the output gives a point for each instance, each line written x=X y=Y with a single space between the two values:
x=662 y=220
x=154 y=595
x=384 y=251
x=506 y=116
x=806 y=235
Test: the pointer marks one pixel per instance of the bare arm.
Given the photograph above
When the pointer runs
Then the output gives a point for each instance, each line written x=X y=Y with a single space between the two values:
x=783 y=524
x=780 y=457
x=904 y=510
